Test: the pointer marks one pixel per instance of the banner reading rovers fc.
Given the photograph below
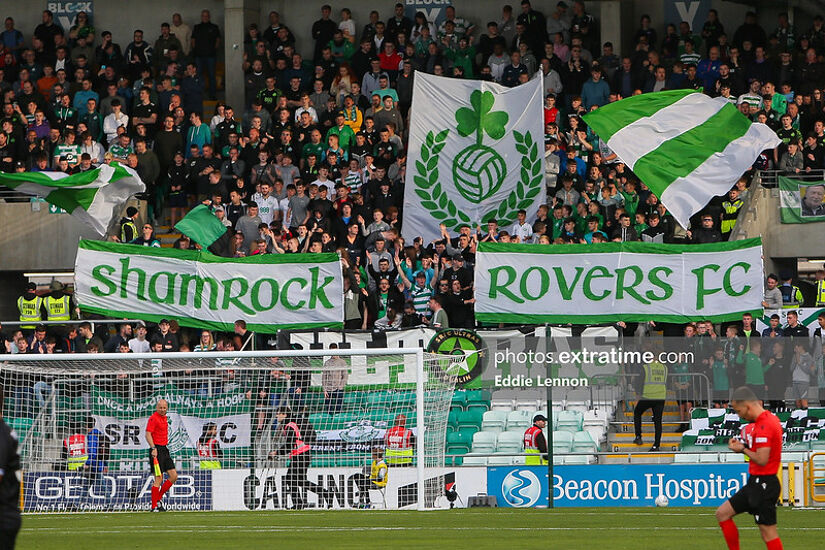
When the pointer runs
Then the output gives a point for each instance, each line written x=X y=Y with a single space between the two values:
x=476 y=153
x=198 y=289
x=610 y=282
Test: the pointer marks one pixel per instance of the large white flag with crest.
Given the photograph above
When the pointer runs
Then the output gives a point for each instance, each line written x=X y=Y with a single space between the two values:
x=476 y=152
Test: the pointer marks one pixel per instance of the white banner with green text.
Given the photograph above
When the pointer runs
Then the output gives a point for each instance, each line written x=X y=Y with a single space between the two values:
x=611 y=282
x=269 y=292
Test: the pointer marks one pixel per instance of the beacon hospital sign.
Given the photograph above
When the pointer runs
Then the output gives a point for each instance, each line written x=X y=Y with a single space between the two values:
x=616 y=485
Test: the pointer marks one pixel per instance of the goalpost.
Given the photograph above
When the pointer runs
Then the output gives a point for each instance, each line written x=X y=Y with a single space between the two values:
x=224 y=434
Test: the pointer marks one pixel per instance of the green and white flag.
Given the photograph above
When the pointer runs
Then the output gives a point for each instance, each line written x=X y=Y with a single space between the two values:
x=611 y=282
x=268 y=291
x=93 y=197
x=476 y=152
x=686 y=147
x=802 y=201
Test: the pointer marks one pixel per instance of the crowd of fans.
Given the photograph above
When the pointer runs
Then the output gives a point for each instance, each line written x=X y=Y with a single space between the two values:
x=314 y=159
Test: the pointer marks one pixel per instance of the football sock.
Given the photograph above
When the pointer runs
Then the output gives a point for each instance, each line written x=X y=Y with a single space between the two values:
x=775 y=544
x=155 y=496
x=731 y=534
x=164 y=488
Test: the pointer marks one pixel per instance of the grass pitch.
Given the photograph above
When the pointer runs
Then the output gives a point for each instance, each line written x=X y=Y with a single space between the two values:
x=477 y=529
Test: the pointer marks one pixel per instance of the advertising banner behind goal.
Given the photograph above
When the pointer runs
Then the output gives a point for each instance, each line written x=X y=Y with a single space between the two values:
x=610 y=282
x=270 y=291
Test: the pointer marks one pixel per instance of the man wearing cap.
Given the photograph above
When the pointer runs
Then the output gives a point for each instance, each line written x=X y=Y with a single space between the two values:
x=58 y=303
x=400 y=442
x=139 y=344
x=122 y=337
x=167 y=337
x=535 y=444
x=30 y=306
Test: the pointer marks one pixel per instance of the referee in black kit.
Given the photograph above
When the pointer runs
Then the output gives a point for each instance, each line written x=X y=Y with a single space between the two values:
x=9 y=484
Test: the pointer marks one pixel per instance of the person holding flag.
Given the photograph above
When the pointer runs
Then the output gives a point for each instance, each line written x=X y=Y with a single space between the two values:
x=157 y=436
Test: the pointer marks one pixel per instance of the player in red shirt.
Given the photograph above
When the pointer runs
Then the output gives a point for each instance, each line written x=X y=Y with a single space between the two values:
x=157 y=436
x=761 y=442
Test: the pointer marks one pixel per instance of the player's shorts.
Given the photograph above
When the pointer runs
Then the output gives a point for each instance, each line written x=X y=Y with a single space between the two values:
x=800 y=390
x=164 y=459
x=758 y=498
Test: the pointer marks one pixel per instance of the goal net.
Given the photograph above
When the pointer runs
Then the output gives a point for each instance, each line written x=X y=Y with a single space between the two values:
x=81 y=422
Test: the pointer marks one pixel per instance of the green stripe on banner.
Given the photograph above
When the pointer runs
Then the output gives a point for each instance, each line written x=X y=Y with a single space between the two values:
x=69 y=199
x=631 y=247
x=210 y=325
x=205 y=257
x=533 y=319
x=611 y=118
x=81 y=179
x=678 y=157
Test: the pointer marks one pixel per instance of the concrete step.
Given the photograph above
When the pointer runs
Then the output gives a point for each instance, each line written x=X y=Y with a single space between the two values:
x=668 y=438
x=648 y=442
x=667 y=416
x=647 y=427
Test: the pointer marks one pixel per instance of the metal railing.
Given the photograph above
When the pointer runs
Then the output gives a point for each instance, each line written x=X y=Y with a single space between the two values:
x=770 y=178
x=73 y=322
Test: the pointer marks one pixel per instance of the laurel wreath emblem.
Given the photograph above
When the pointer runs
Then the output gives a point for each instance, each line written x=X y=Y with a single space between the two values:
x=435 y=199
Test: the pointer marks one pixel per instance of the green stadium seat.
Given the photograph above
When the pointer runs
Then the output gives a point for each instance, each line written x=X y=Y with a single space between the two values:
x=380 y=415
x=354 y=399
x=341 y=420
x=478 y=399
x=470 y=419
x=22 y=426
x=452 y=417
x=462 y=437
x=379 y=398
x=569 y=421
x=509 y=442
x=321 y=421
x=583 y=443
x=519 y=420
x=562 y=441
x=457 y=449
x=484 y=442
x=459 y=399
x=494 y=421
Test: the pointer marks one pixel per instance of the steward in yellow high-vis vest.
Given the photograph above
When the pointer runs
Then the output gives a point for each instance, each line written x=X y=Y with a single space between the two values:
x=30 y=307
x=654 y=393
x=535 y=444
x=400 y=443
x=730 y=211
x=820 y=288
x=58 y=303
